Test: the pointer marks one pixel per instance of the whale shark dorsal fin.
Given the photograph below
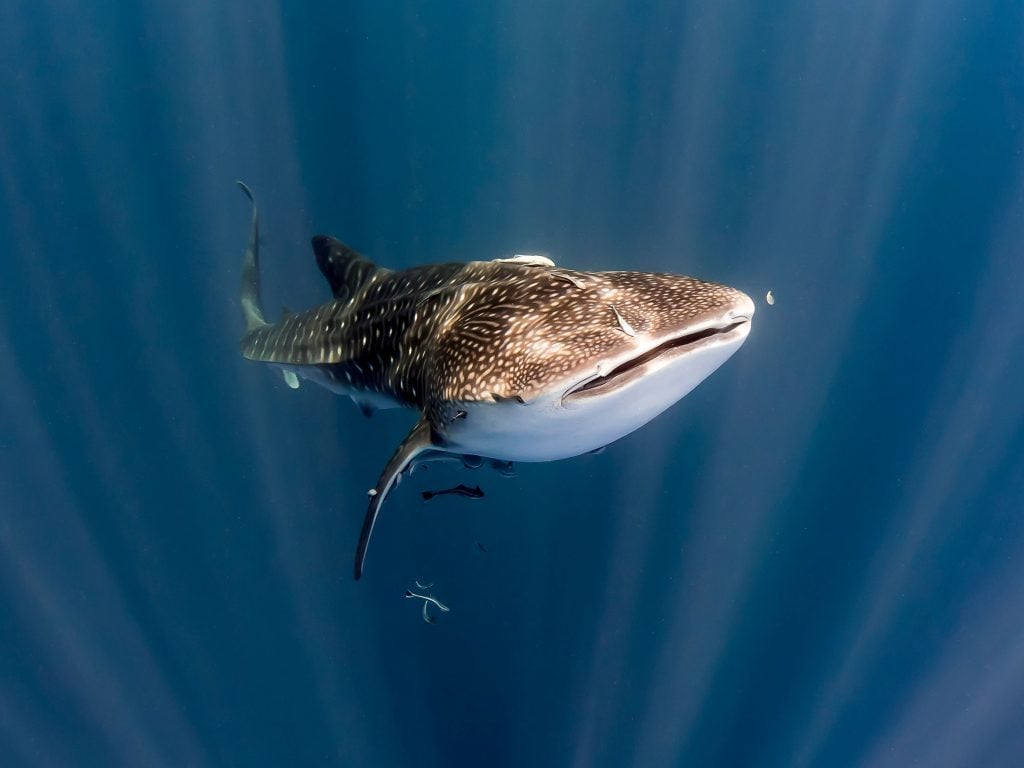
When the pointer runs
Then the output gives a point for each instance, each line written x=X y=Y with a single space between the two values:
x=346 y=270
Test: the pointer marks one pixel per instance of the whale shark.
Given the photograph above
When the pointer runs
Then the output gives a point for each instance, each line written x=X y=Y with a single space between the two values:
x=509 y=360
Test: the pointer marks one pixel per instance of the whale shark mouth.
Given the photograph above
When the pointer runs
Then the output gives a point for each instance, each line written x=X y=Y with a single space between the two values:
x=635 y=367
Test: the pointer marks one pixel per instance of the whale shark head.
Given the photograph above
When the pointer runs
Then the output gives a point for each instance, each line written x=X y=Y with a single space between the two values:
x=594 y=361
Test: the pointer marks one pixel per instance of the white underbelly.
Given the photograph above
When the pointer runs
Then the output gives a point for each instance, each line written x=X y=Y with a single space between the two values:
x=550 y=428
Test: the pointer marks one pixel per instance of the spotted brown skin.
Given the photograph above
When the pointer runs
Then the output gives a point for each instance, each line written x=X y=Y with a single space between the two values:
x=479 y=331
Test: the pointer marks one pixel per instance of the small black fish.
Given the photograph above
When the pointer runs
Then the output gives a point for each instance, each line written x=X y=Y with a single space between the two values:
x=481 y=547
x=458 y=490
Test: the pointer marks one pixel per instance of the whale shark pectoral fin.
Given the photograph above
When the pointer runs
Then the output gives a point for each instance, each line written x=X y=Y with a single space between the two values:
x=415 y=443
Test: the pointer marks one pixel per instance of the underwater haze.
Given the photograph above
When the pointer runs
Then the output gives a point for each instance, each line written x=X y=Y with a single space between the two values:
x=814 y=559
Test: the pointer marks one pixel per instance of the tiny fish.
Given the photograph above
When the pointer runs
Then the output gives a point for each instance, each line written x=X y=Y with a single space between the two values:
x=427 y=600
x=769 y=298
x=458 y=490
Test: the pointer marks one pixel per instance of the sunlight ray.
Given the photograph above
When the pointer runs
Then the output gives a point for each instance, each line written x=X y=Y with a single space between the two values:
x=973 y=420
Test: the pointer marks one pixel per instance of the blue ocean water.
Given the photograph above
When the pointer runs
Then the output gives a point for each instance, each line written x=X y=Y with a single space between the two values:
x=814 y=559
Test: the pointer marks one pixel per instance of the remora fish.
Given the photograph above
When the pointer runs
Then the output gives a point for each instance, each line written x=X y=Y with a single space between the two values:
x=512 y=359
x=459 y=490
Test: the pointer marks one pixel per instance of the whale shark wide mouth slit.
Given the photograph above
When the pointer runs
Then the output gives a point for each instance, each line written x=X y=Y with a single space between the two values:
x=622 y=371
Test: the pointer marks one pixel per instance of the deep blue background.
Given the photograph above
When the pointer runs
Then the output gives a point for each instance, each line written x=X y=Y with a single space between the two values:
x=815 y=559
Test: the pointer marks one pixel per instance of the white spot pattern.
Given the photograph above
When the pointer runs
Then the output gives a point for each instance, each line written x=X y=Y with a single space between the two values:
x=461 y=332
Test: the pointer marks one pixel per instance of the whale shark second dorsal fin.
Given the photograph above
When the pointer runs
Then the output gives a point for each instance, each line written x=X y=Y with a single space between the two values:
x=345 y=269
